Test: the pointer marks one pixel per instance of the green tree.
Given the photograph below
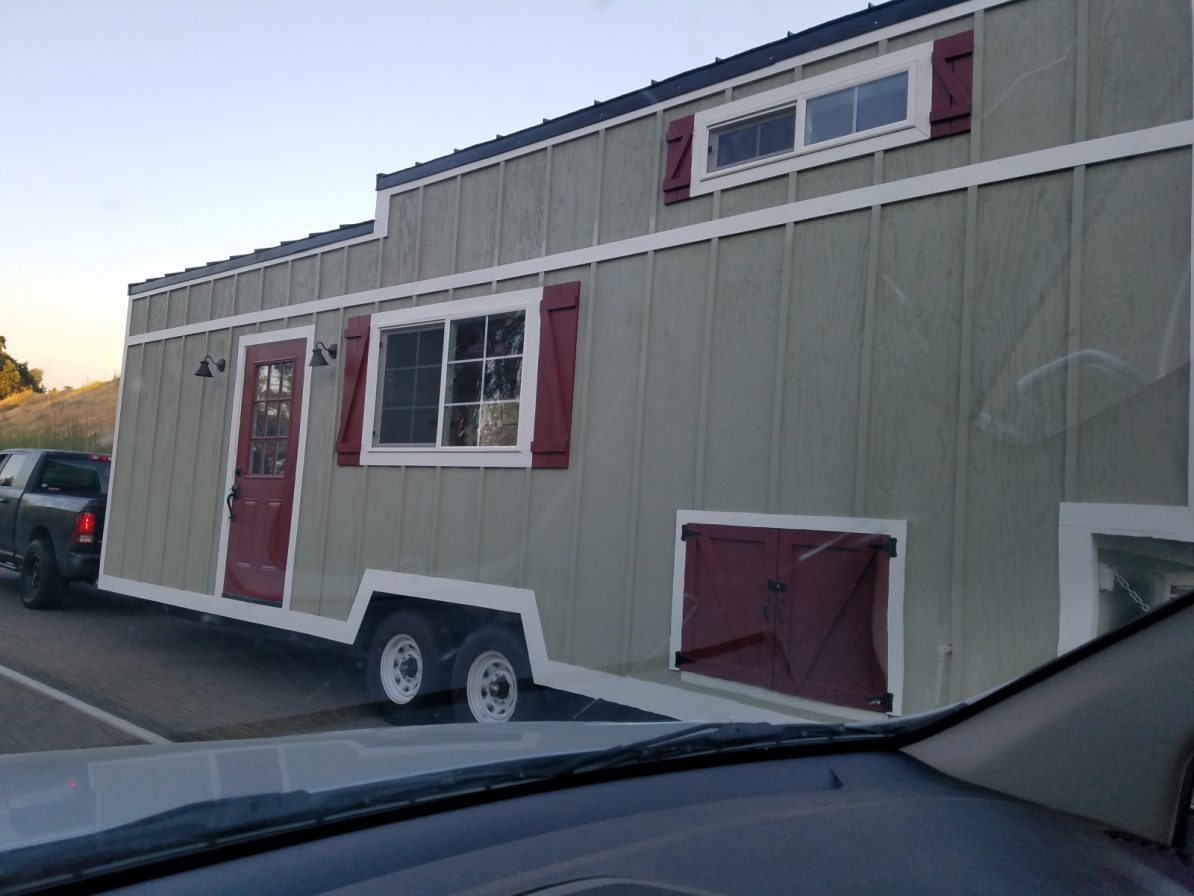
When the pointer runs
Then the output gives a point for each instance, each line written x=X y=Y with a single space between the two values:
x=15 y=376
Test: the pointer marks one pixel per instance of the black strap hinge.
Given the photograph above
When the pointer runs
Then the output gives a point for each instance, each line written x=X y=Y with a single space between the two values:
x=888 y=547
x=886 y=702
x=687 y=532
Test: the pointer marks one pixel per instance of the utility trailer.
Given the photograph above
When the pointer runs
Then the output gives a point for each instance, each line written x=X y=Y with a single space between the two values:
x=839 y=378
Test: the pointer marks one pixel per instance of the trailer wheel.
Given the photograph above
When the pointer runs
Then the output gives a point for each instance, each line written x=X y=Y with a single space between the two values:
x=403 y=669
x=41 y=585
x=494 y=676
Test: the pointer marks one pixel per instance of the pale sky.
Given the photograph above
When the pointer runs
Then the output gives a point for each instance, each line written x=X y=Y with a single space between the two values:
x=141 y=137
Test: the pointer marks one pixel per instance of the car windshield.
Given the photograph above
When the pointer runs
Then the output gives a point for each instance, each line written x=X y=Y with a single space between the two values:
x=830 y=370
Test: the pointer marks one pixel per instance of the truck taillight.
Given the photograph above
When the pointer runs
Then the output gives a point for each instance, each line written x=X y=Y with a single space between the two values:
x=84 y=528
x=98 y=457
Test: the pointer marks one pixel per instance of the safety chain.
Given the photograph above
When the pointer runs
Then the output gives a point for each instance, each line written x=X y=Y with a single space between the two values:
x=1123 y=583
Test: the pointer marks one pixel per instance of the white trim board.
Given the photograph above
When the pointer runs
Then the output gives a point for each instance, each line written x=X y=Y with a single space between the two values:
x=1089 y=152
x=662 y=699
x=897 y=529
x=307 y=334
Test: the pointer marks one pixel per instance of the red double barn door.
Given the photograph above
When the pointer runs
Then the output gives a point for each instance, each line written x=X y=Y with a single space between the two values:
x=262 y=498
x=799 y=612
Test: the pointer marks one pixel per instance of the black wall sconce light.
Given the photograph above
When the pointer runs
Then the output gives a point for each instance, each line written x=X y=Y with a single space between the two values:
x=205 y=366
x=317 y=358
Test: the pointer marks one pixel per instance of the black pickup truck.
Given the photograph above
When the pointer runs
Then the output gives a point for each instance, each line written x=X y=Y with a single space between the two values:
x=52 y=507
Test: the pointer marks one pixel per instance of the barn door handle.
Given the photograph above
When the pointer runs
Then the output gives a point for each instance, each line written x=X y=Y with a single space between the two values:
x=779 y=610
x=232 y=493
x=767 y=608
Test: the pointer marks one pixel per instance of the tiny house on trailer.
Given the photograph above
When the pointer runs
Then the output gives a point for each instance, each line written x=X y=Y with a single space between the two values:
x=844 y=376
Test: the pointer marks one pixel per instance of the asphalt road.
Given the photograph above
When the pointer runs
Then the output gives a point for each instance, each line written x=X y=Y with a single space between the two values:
x=157 y=676
x=107 y=670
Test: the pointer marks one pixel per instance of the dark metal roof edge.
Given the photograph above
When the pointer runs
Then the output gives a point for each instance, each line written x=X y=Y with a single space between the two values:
x=283 y=250
x=815 y=38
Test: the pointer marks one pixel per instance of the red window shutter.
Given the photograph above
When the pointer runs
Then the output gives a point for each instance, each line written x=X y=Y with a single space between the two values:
x=352 y=408
x=953 y=75
x=559 y=314
x=677 y=176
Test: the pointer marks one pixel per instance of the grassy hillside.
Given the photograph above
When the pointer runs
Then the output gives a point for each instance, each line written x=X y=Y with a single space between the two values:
x=80 y=419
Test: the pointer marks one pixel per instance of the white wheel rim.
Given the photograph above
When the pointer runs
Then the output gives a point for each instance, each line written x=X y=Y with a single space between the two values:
x=401 y=669
x=492 y=688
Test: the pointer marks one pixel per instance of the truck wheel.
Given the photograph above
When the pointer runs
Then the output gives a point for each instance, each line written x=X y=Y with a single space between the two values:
x=41 y=586
x=403 y=669
x=493 y=674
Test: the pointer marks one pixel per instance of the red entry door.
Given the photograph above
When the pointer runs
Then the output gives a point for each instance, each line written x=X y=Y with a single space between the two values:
x=266 y=450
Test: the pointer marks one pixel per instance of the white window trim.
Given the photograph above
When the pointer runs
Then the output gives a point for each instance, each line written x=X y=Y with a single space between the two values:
x=897 y=529
x=1078 y=559
x=917 y=61
x=518 y=455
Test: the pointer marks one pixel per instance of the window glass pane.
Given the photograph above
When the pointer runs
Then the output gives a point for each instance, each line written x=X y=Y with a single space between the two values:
x=427 y=385
x=259 y=418
x=423 y=423
x=267 y=457
x=460 y=425
x=262 y=380
x=402 y=349
x=410 y=386
x=398 y=387
x=503 y=379
x=280 y=462
x=284 y=418
x=882 y=102
x=464 y=383
x=499 y=424
x=11 y=470
x=287 y=378
x=431 y=346
x=777 y=135
x=468 y=339
x=275 y=380
x=771 y=134
x=829 y=116
x=271 y=418
x=255 y=452
x=736 y=146
x=395 y=425
x=504 y=336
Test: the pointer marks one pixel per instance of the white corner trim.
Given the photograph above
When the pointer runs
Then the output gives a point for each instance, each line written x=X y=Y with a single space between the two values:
x=913 y=60
x=897 y=529
x=307 y=334
x=1077 y=559
x=1089 y=152
x=519 y=456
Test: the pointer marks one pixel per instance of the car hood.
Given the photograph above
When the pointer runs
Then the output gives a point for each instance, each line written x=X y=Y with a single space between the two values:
x=50 y=796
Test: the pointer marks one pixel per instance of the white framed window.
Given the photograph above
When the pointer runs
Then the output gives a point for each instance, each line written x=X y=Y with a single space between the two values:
x=453 y=384
x=877 y=104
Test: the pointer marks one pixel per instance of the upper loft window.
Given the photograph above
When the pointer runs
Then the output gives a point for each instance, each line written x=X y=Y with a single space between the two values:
x=877 y=104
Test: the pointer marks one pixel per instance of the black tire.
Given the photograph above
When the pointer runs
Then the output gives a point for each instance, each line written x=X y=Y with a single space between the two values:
x=492 y=678
x=41 y=586
x=404 y=670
